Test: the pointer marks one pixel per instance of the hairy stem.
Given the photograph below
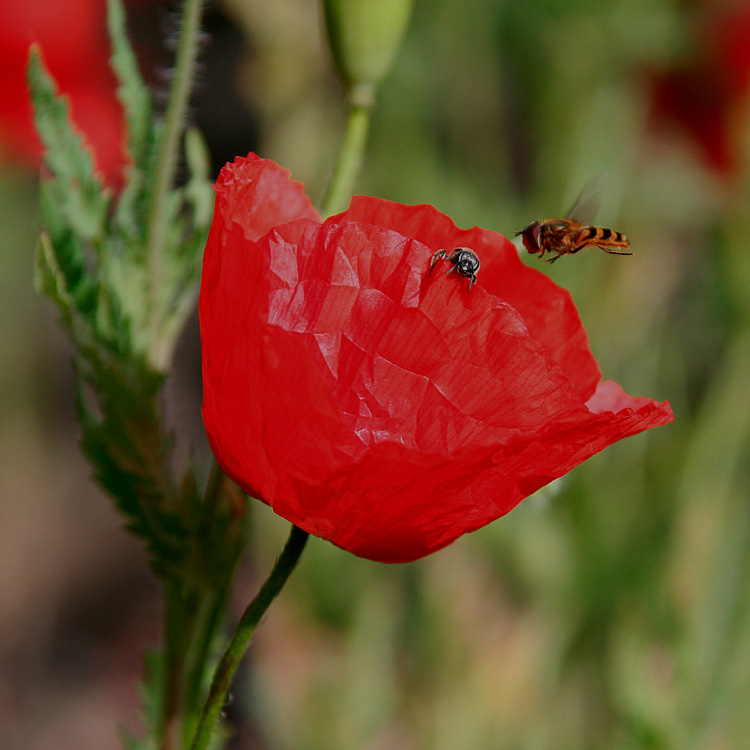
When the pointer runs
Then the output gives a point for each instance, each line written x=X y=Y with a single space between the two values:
x=241 y=637
x=166 y=161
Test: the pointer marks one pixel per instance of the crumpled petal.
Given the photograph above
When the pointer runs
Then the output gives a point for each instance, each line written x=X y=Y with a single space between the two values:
x=555 y=324
x=258 y=195
x=382 y=408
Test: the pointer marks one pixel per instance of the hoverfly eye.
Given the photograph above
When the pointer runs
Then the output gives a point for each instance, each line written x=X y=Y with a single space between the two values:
x=532 y=237
x=536 y=233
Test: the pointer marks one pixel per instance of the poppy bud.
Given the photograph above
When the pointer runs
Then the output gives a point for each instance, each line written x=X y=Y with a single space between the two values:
x=364 y=36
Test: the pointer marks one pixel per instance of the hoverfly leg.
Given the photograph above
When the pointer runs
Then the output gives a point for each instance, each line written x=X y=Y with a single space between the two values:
x=452 y=268
x=613 y=252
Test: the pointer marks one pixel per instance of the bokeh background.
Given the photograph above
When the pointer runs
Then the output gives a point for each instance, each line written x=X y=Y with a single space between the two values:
x=610 y=611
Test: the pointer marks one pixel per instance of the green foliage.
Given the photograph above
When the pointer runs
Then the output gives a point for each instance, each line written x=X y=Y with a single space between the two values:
x=78 y=195
x=132 y=92
x=91 y=262
x=124 y=298
x=123 y=439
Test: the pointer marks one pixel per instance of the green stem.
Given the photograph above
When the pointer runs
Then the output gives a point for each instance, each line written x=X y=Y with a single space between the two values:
x=241 y=637
x=351 y=152
x=213 y=489
x=174 y=627
x=210 y=614
x=211 y=611
x=166 y=159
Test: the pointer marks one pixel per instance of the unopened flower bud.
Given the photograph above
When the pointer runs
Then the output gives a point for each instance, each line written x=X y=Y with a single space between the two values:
x=364 y=36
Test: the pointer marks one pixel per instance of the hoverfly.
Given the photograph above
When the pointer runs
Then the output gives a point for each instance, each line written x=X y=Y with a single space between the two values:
x=465 y=263
x=576 y=231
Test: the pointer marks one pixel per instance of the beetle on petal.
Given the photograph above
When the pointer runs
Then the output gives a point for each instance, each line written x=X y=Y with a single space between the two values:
x=465 y=263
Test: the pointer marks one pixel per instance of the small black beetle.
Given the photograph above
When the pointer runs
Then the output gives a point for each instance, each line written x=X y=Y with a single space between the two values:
x=465 y=262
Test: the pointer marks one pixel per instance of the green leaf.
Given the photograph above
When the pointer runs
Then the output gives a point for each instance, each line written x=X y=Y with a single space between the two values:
x=137 y=104
x=123 y=438
x=198 y=191
x=49 y=278
x=132 y=92
x=72 y=261
x=118 y=318
x=130 y=211
x=80 y=195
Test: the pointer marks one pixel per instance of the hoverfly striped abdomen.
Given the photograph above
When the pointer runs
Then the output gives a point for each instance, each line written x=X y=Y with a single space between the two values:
x=602 y=237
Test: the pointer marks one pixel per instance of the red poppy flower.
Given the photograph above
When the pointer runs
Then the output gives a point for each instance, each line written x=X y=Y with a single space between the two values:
x=73 y=39
x=374 y=405
x=708 y=96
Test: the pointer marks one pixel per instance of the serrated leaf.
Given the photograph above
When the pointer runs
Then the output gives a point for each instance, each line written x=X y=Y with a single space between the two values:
x=198 y=191
x=122 y=437
x=113 y=323
x=80 y=194
x=132 y=91
x=137 y=104
x=71 y=259
x=129 y=213
x=49 y=279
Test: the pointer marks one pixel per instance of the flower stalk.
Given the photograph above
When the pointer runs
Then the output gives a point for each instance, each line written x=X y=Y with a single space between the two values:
x=241 y=637
x=363 y=36
x=351 y=152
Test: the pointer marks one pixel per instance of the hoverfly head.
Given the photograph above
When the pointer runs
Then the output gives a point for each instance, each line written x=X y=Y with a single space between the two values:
x=532 y=236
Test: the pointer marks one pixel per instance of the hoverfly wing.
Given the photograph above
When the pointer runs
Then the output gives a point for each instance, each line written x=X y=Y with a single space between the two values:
x=586 y=206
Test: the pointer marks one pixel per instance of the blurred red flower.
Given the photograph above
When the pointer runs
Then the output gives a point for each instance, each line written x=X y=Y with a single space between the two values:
x=75 y=46
x=375 y=406
x=709 y=95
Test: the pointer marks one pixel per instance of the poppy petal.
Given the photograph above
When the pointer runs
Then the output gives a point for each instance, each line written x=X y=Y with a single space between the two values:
x=258 y=195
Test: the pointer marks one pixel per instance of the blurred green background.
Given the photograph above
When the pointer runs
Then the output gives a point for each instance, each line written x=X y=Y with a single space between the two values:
x=609 y=611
